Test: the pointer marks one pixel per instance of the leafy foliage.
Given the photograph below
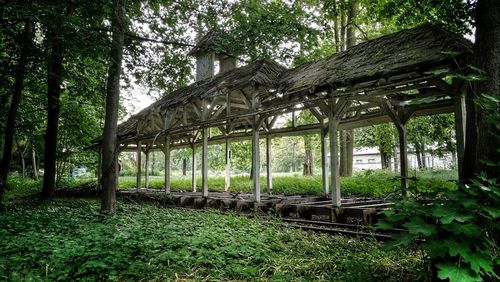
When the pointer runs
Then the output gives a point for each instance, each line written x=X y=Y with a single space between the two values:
x=68 y=240
x=459 y=230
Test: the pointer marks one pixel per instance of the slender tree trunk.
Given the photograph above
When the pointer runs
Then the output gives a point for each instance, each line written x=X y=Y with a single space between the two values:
x=14 y=105
x=487 y=58
x=342 y=26
x=33 y=159
x=184 y=166
x=54 y=81
x=109 y=160
x=308 y=157
x=417 y=153
x=336 y=26
x=422 y=152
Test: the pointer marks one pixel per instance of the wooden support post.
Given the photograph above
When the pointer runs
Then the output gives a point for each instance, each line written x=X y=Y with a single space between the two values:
x=227 y=182
x=403 y=157
x=193 y=167
x=167 y=164
x=139 y=156
x=460 y=121
x=400 y=116
x=146 y=169
x=204 y=162
x=256 y=161
x=334 y=158
x=324 y=162
x=269 y=164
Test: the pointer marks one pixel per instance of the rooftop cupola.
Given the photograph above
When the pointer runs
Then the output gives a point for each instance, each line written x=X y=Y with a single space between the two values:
x=207 y=50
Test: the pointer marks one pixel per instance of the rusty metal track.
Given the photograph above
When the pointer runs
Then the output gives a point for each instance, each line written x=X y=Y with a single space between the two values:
x=339 y=228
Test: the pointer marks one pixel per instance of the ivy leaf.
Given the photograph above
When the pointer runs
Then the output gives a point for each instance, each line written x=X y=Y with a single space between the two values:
x=418 y=226
x=456 y=273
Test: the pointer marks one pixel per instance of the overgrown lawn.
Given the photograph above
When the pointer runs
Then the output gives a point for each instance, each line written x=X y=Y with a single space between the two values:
x=67 y=239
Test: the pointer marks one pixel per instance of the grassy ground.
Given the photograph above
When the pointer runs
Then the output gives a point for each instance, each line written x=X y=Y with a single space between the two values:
x=67 y=239
x=367 y=183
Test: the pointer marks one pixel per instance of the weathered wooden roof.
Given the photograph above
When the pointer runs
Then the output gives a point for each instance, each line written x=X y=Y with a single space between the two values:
x=264 y=73
x=401 y=52
x=378 y=70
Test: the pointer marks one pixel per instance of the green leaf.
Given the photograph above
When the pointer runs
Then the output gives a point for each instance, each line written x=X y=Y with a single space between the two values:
x=457 y=248
x=435 y=248
x=469 y=230
x=478 y=261
x=492 y=211
x=446 y=215
x=456 y=273
x=418 y=226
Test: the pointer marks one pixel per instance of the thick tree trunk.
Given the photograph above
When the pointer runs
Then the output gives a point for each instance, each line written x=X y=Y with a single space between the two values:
x=487 y=58
x=14 y=105
x=54 y=80
x=109 y=156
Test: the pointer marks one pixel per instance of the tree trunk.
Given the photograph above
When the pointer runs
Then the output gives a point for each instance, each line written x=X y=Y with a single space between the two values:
x=33 y=159
x=14 y=105
x=487 y=58
x=184 y=166
x=109 y=156
x=417 y=153
x=347 y=140
x=336 y=27
x=342 y=26
x=54 y=80
x=308 y=157
x=153 y=163
x=422 y=152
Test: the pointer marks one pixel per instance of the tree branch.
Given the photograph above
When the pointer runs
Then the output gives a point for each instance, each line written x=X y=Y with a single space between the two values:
x=167 y=42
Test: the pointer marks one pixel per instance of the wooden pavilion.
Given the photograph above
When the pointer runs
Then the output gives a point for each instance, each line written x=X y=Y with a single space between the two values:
x=388 y=79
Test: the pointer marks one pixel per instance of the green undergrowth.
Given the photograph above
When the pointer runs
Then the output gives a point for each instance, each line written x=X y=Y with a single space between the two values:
x=67 y=239
x=376 y=183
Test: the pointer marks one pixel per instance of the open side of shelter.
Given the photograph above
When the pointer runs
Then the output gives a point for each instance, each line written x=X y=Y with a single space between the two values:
x=389 y=79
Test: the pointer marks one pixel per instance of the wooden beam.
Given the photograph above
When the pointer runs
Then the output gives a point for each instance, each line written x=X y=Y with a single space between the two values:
x=334 y=159
x=269 y=163
x=227 y=180
x=324 y=161
x=400 y=117
x=256 y=161
x=138 y=176
x=167 y=165
x=204 y=162
x=460 y=123
x=146 y=169
x=193 y=167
